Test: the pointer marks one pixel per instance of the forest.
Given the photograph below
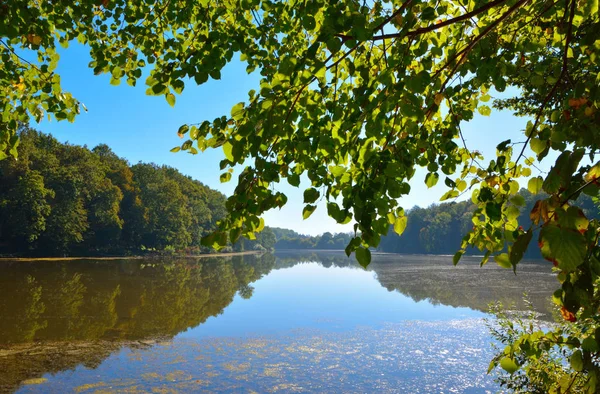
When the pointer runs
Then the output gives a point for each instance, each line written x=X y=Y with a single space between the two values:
x=437 y=229
x=60 y=199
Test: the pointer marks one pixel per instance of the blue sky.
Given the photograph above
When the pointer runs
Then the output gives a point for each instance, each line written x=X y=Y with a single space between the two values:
x=144 y=128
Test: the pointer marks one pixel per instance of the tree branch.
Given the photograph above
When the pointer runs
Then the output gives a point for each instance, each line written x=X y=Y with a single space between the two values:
x=553 y=90
x=427 y=29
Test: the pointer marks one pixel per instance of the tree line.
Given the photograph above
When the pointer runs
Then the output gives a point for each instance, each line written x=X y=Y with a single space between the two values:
x=289 y=239
x=64 y=199
x=437 y=229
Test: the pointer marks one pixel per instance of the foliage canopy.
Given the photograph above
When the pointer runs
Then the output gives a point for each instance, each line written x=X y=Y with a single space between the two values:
x=356 y=95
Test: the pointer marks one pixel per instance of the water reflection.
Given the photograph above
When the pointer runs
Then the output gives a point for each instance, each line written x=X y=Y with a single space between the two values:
x=435 y=279
x=58 y=315
x=123 y=299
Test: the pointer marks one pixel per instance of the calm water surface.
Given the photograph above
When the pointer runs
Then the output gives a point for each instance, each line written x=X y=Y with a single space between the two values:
x=286 y=323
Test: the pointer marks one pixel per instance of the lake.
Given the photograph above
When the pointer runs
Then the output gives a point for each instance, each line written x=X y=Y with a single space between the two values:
x=289 y=322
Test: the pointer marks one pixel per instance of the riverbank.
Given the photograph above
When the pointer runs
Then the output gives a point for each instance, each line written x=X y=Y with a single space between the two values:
x=199 y=256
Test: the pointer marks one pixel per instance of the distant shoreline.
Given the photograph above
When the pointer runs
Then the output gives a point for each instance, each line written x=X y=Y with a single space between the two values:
x=188 y=256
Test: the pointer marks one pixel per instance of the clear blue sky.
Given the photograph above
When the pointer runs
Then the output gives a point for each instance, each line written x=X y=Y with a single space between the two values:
x=144 y=128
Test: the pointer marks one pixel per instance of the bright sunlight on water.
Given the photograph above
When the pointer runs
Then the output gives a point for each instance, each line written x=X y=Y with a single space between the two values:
x=285 y=323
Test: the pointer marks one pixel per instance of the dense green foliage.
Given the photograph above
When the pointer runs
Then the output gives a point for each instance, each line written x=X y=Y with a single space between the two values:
x=544 y=358
x=63 y=199
x=356 y=95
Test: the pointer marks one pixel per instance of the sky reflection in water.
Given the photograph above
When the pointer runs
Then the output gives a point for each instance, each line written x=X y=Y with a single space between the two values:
x=311 y=296
x=295 y=323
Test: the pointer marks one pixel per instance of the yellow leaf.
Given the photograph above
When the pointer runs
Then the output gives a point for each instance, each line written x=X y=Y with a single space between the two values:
x=438 y=98
x=589 y=111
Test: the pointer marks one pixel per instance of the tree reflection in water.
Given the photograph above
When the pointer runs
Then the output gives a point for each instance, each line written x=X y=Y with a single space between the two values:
x=58 y=315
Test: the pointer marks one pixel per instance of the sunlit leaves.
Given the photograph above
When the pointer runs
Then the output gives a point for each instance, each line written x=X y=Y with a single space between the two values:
x=503 y=260
x=307 y=211
x=509 y=365
x=170 y=97
x=354 y=113
x=534 y=185
x=237 y=111
x=400 y=224
x=431 y=179
x=484 y=110
x=227 y=150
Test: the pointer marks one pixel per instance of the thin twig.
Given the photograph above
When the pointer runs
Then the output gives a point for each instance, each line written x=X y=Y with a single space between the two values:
x=430 y=28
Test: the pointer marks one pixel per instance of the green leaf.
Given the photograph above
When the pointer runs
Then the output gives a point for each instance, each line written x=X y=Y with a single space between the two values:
x=593 y=173
x=503 y=145
x=519 y=247
x=234 y=234
x=400 y=224
x=567 y=248
x=484 y=110
x=589 y=344
x=227 y=150
x=311 y=195
x=354 y=243
x=503 y=261
x=170 y=99
x=509 y=365
x=485 y=258
x=158 y=89
x=363 y=255
x=225 y=177
x=537 y=80
x=573 y=218
x=431 y=179
x=518 y=200
x=537 y=145
x=457 y=257
x=535 y=185
x=334 y=44
x=337 y=170
x=294 y=180
x=176 y=149
x=493 y=211
x=237 y=111
x=307 y=211
x=183 y=129
x=576 y=361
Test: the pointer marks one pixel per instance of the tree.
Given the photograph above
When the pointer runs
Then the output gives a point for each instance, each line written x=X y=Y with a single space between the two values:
x=25 y=209
x=65 y=199
x=358 y=95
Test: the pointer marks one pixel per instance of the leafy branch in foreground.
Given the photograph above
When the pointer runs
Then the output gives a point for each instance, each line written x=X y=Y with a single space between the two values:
x=543 y=358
